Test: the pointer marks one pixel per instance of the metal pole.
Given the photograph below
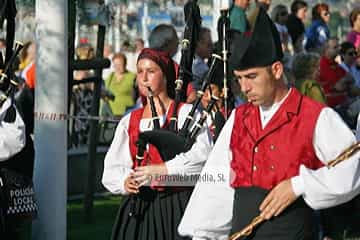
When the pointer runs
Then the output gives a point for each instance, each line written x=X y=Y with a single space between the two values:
x=50 y=130
x=216 y=15
x=145 y=17
x=93 y=136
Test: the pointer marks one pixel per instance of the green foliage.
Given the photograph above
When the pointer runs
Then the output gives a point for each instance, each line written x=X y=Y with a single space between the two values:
x=26 y=3
x=105 y=210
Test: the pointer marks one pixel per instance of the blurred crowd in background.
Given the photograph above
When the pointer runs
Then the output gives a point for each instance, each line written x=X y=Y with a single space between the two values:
x=320 y=41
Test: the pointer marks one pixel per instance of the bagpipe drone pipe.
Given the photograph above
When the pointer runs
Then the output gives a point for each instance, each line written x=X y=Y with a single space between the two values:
x=8 y=60
x=7 y=72
x=188 y=45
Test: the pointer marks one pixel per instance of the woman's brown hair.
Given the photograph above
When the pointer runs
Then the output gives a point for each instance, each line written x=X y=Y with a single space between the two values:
x=317 y=9
x=353 y=15
x=119 y=55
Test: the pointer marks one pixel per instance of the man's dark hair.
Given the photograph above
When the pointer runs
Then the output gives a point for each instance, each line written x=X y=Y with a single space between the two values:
x=162 y=38
x=297 y=5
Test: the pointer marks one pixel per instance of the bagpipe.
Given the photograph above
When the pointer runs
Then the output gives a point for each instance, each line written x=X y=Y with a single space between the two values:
x=223 y=28
x=188 y=45
x=171 y=141
x=7 y=85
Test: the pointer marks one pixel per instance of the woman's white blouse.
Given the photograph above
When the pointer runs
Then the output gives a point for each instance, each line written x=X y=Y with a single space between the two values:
x=118 y=163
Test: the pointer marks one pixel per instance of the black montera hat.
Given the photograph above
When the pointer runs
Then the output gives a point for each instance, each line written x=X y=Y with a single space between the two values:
x=259 y=47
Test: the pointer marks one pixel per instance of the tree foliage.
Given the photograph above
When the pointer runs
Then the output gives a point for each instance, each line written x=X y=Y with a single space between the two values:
x=26 y=3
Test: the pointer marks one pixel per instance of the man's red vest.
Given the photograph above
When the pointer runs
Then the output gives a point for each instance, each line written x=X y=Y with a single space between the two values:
x=265 y=157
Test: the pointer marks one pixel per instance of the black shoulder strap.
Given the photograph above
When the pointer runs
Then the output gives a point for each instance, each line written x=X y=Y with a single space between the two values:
x=10 y=15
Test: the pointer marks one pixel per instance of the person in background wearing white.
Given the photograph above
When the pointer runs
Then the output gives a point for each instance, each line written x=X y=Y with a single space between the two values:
x=108 y=53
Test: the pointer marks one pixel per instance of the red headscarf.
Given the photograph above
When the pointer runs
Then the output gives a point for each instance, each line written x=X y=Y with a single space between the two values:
x=166 y=64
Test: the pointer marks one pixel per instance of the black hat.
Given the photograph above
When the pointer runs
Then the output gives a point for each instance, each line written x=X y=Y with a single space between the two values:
x=258 y=48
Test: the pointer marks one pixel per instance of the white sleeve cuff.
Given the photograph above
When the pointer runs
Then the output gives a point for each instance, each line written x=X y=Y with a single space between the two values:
x=298 y=185
x=115 y=185
x=122 y=190
x=175 y=166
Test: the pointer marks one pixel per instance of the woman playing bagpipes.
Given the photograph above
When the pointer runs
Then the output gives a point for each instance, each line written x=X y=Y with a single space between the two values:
x=150 y=209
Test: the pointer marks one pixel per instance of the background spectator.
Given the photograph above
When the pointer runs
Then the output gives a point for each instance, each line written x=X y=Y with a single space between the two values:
x=26 y=56
x=295 y=24
x=237 y=16
x=305 y=68
x=204 y=48
x=82 y=95
x=318 y=32
x=164 y=37
x=120 y=83
x=333 y=78
x=108 y=53
x=348 y=57
x=280 y=15
x=354 y=35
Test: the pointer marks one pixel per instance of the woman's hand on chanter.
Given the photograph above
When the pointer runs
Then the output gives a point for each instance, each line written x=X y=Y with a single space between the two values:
x=131 y=186
x=145 y=174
